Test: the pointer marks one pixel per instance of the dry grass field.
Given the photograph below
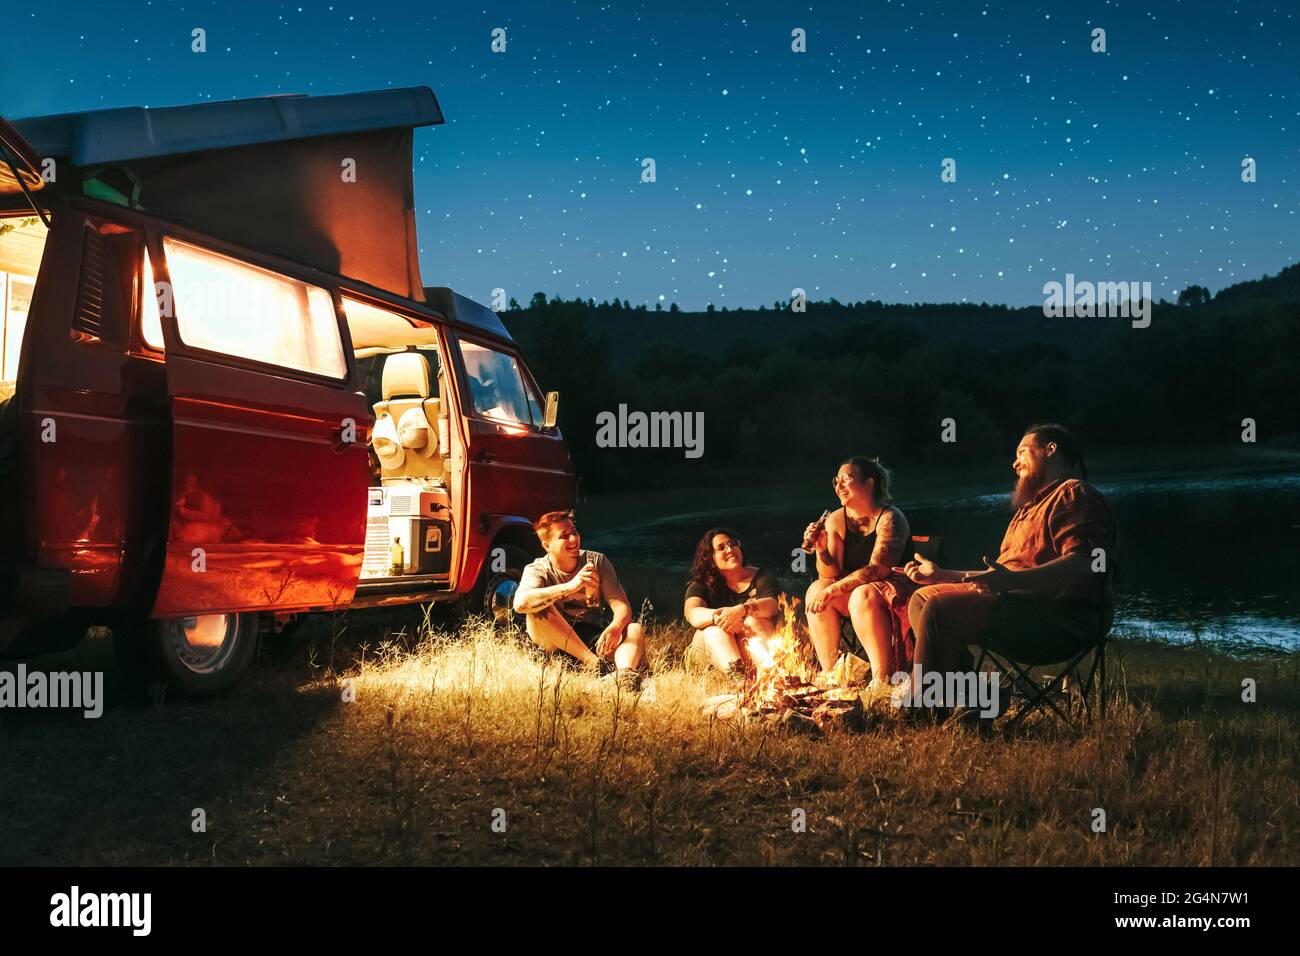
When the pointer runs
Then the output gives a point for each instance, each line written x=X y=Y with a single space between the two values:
x=407 y=748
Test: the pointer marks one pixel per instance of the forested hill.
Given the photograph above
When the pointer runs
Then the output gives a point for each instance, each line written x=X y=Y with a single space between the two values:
x=1281 y=288
x=878 y=378
x=632 y=330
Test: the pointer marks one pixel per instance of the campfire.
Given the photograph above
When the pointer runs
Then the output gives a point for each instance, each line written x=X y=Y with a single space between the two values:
x=787 y=687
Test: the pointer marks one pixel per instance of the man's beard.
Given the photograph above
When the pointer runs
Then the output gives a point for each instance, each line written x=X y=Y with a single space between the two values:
x=1025 y=489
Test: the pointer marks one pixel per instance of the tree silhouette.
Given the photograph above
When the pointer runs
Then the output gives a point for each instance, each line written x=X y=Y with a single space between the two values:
x=831 y=381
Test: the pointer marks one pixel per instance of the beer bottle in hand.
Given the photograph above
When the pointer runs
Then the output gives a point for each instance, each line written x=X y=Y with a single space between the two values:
x=810 y=539
x=592 y=595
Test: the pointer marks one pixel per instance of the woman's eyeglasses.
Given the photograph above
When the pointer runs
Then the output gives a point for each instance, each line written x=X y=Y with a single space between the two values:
x=726 y=546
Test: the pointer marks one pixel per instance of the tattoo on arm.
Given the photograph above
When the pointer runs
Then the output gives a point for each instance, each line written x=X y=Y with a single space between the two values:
x=854 y=579
x=891 y=537
x=539 y=599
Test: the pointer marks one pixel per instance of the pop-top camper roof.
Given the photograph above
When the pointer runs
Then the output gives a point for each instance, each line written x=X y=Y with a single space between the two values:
x=321 y=180
x=465 y=310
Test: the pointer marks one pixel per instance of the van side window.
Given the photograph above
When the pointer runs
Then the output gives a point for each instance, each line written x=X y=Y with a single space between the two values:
x=16 y=299
x=496 y=386
x=224 y=305
x=150 y=321
x=22 y=244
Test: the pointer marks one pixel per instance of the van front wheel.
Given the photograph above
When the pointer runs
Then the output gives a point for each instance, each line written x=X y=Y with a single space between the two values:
x=195 y=656
x=494 y=594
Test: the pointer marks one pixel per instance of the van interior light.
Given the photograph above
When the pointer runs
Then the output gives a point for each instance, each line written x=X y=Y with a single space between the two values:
x=150 y=320
x=373 y=327
x=224 y=305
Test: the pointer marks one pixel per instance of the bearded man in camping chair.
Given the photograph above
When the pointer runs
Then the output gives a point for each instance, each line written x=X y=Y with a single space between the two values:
x=1046 y=597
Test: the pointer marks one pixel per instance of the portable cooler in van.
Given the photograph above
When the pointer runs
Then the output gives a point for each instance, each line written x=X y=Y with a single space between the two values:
x=418 y=517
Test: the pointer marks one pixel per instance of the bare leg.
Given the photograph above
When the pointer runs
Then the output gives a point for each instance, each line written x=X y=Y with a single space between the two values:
x=720 y=645
x=551 y=632
x=871 y=622
x=629 y=653
x=824 y=628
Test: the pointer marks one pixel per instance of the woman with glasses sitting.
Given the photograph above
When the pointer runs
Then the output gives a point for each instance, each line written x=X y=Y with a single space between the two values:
x=857 y=548
x=728 y=601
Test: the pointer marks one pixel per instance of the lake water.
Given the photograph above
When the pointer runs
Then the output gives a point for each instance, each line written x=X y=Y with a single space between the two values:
x=1214 y=557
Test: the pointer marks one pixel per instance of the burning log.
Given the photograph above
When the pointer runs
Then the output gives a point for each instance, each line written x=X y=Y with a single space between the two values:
x=789 y=702
x=843 y=715
x=788 y=689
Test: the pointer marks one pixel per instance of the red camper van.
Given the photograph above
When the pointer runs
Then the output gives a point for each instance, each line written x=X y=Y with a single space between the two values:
x=227 y=399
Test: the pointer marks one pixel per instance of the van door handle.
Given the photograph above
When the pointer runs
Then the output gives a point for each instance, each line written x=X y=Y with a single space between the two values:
x=485 y=456
x=337 y=436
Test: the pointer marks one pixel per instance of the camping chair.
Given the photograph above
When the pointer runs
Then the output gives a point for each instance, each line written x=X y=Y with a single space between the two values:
x=1082 y=668
x=927 y=546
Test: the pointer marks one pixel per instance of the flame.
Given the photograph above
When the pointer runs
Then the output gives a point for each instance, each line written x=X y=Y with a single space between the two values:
x=785 y=666
x=780 y=661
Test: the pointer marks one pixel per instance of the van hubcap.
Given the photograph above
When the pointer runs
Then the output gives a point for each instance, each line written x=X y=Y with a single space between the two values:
x=501 y=599
x=203 y=643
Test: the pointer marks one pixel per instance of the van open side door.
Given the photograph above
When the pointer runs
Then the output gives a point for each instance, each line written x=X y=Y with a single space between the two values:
x=269 y=467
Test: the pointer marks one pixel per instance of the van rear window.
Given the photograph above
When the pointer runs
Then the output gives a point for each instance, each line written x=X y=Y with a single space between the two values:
x=224 y=305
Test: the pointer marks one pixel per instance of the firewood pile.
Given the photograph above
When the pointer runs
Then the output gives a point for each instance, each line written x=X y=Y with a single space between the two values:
x=799 y=706
x=787 y=690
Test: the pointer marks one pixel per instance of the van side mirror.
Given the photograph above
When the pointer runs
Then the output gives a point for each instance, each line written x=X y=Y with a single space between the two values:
x=552 y=410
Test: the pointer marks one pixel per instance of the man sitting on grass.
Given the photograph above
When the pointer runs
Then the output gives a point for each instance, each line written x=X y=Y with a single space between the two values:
x=561 y=594
x=1046 y=596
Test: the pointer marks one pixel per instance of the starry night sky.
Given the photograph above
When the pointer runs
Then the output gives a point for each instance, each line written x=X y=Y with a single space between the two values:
x=774 y=169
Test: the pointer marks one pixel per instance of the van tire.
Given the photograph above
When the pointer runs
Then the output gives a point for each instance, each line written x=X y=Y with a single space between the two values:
x=178 y=653
x=494 y=593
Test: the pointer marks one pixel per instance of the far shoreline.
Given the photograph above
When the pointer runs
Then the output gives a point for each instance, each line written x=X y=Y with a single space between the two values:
x=918 y=484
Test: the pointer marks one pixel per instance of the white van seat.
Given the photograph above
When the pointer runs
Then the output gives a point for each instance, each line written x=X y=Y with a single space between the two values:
x=406 y=421
x=406 y=374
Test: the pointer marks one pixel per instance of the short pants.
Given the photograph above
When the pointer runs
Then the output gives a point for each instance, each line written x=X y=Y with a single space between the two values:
x=589 y=632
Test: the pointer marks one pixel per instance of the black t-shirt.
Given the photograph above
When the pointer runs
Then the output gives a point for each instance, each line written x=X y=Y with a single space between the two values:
x=763 y=585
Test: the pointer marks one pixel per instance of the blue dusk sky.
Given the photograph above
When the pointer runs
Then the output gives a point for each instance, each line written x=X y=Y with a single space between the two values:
x=775 y=169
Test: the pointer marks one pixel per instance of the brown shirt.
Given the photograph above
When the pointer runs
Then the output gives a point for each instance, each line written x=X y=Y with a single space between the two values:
x=1067 y=516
